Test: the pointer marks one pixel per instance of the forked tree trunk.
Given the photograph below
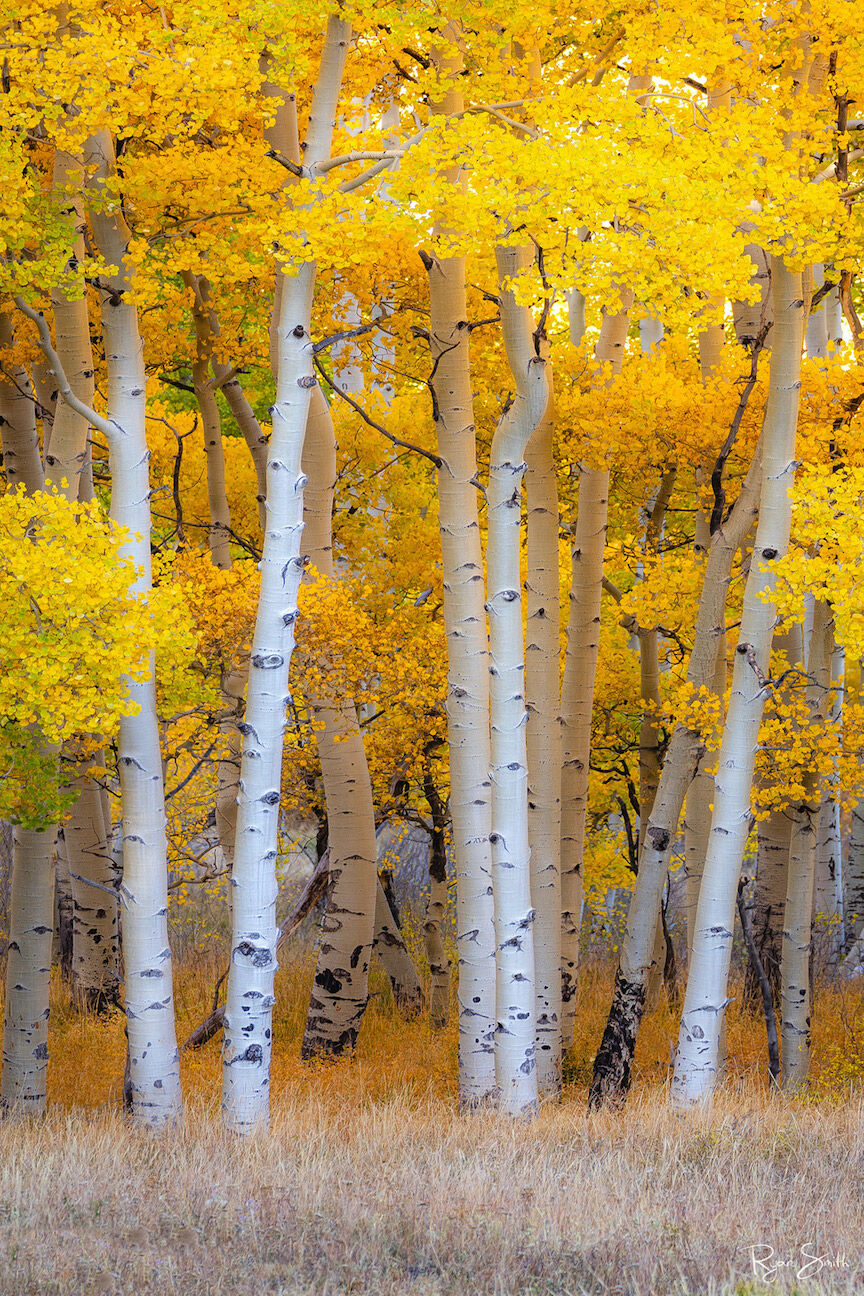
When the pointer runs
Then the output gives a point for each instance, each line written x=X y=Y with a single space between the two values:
x=614 y=1060
x=705 y=1000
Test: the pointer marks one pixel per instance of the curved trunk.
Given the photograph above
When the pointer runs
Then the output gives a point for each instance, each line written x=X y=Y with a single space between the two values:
x=705 y=1001
x=28 y=974
x=614 y=1060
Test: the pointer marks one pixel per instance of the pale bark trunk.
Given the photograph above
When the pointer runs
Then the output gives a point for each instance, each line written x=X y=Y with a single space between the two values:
x=154 y=1072
x=614 y=1060
x=67 y=458
x=515 y=1060
x=95 y=930
x=828 y=868
x=436 y=908
x=64 y=908
x=798 y=916
x=577 y=685
x=23 y=1085
x=467 y=656
x=773 y=836
x=340 y=989
x=390 y=947
x=816 y=337
x=249 y=1003
x=256 y=440
x=467 y=677
x=853 y=876
x=750 y=318
x=205 y=394
x=542 y=686
x=705 y=1001
x=22 y=459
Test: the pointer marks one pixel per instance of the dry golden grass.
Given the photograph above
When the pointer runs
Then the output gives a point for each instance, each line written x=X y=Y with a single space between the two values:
x=369 y=1181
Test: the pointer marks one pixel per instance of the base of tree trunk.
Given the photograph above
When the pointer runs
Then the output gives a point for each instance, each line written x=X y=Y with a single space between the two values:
x=613 y=1065
x=96 y=1001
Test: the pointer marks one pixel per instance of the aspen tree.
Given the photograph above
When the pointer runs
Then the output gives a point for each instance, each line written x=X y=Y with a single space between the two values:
x=542 y=613
x=467 y=653
x=515 y=1063
x=799 y=908
x=705 y=1000
x=577 y=685
x=249 y=1004
x=354 y=914
x=613 y=1063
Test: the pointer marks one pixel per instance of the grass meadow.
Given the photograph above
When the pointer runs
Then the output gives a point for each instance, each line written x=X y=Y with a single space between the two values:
x=370 y=1181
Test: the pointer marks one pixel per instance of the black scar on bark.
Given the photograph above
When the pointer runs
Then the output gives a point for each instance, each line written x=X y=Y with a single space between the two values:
x=328 y=982
x=613 y=1065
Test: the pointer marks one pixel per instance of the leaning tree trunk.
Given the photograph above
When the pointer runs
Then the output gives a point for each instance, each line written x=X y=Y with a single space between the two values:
x=705 y=1001
x=798 y=915
x=614 y=1060
x=515 y=1065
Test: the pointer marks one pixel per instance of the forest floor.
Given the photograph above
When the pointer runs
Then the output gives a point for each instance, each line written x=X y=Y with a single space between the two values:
x=370 y=1182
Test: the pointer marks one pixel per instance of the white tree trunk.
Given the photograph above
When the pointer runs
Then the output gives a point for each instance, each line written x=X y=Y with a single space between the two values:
x=340 y=989
x=798 y=917
x=577 y=685
x=467 y=676
x=705 y=1001
x=28 y=974
x=249 y=1003
x=22 y=458
x=390 y=947
x=154 y=1071
x=542 y=686
x=95 y=929
x=613 y=1063
x=515 y=1064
